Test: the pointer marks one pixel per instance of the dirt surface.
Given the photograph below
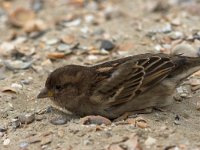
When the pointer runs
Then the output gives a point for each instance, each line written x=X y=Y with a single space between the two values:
x=134 y=27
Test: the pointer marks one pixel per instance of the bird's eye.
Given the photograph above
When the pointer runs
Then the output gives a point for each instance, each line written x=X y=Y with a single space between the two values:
x=58 y=87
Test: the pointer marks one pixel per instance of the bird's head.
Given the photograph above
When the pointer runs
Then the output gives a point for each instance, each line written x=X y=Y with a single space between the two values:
x=64 y=83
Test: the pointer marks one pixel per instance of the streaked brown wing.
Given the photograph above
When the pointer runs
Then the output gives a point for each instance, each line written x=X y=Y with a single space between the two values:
x=156 y=69
x=122 y=82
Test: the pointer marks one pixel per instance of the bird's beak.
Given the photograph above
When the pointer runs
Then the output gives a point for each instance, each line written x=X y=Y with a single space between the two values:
x=44 y=93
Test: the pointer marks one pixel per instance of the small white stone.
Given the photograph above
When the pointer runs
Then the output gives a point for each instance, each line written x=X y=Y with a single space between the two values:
x=150 y=141
x=20 y=40
x=167 y=46
x=6 y=142
x=16 y=86
x=183 y=91
x=1 y=134
x=63 y=48
x=30 y=78
x=92 y=57
x=180 y=89
x=52 y=41
x=158 y=48
x=89 y=18
x=176 y=35
x=6 y=48
x=84 y=30
x=176 y=148
x=162 y=29
x=73 y=23
x=87 y=142
x=10 y=105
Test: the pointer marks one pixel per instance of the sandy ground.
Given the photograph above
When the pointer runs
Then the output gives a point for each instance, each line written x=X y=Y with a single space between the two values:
x=135 y=27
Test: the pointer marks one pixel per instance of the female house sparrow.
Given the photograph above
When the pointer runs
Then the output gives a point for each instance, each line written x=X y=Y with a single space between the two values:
x=113 y=88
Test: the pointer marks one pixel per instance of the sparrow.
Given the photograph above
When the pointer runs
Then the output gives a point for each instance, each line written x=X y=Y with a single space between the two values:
x=114 y=88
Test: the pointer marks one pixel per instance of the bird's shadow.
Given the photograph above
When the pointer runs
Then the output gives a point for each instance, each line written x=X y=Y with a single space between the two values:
x=59 y=117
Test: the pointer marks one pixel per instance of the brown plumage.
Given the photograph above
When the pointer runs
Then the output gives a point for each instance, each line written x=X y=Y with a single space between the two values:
x=115 y=87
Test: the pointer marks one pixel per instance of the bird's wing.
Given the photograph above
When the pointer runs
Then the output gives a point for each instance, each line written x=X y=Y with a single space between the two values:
x=119 y=82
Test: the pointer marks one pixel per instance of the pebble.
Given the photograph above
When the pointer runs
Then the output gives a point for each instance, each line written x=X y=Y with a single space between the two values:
x=20 y=40
x=141 y=124
x=107 y=45
x=26 y=118
x=15 y=123
x=27 y=81
x=92 y=57
x=138 y=122
x=167 y=46
x=110 y=12
x=16 y=86
x=23 y=52
x=150 y=141
x=6 y=48
x=177 y=120
x=184 y=91
x=46 y=62
x=98 y=120
x=9 y=90
x=2 y=134
x=98 y=31
x=85 y=30
x=3 y=129
x=52 y=41
x=21 y=16
x=176 y=35
x=17 y=64
x=176 y=22
x=196 y=36
x=166 y=28
x=39 y=117
x=60 y=120
x=56 y=55
x=35 y=26
x=64 y=48
x=68 y=39
x=6 y=142
x=90 y=19
x=87 y=142
x=185 y=50
x=23 y=145
x=11 y=108
x=92 y=5
x=194 y=81
x=158 y=48
x=73 y=23
x=61 y=133
x=36 y=5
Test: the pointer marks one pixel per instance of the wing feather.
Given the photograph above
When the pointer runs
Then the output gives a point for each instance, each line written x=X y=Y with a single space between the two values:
x=130 y=78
